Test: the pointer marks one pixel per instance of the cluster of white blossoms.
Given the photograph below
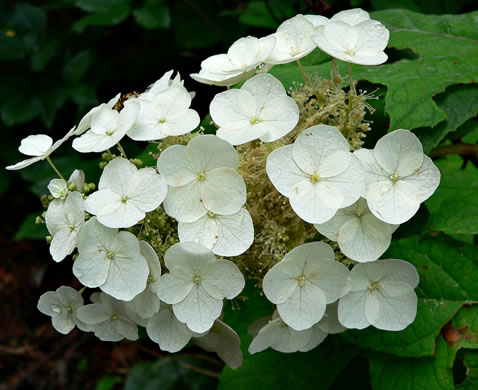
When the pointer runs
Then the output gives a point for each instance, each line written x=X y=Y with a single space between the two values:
x=195 y=202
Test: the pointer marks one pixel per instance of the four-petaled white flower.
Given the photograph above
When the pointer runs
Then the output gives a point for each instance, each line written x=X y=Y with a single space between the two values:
x=304 y=282
x=62 y=305
x=381 y=295
x=125 y=194
x=260 y=109
x=40 y=146
x=110 y=319
x=317 y=173
x=360 y=234
x=111 y=261
x=352 y=37
x=240 y=62
x=163 y=113
x=64 y=220
x=108 y=127
x=197 y=283
x=147 y=303
x=225 y=235
x=202 y=177
x=398 y=176
x=294 y=39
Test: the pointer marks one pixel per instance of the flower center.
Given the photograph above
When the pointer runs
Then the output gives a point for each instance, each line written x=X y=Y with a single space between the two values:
x=114 y=317
x=394 y=177
x=253 y=120
x=69 y=309
x=72 y=228
x=196 y=279
x=314 y=178
x=374 y=287
x=110 y=133
x=359 y=212
x=110 y=255
x=301 y=280
x=202 y=176
x=124 y=199
x=162 y=120
x=350 y=52
x=211 y=214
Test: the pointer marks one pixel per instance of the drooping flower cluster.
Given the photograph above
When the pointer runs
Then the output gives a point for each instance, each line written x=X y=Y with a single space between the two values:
x=273 y=172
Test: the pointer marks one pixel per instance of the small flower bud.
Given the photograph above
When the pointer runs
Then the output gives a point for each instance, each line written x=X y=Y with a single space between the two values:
x=48 y=239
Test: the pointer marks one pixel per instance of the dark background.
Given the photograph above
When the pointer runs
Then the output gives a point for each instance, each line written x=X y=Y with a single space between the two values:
x=58 y=59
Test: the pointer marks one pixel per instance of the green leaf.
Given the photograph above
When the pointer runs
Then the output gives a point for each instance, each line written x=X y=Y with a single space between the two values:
x=83 y=94
x=101 y=6
x=42 y=57
x=49 y=99
x=18 y=109
x=29 y=18
x=471 y=363
x=258 y=15
x=465 y=328
x=104 y=13
x=454 y=206
x=12 y=47
x=447 y=49
x=431 y=373
x=459 y=102
x=30 y=230
x=108 y=382
x=75 y=68
x=416 y=340
x=153 y=14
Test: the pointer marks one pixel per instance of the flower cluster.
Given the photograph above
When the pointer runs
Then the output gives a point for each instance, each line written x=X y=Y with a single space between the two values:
x=283 y=188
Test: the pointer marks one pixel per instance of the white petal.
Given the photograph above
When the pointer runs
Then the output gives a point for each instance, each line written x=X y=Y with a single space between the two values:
x=181 y=123
x=178 y=165
x=281 y=281
x=398 y=271
x=190 y=256
x=203 y=231
x=104 y=120
x=372 y=172
x=331 y=228
x=263 y=87
x=62 y=244
x=35 y=145
x=94 y=314
x=316 y=337
x=23 y=164
x=222 y=279
x=223 y=191
x=235 y=233
x=393 y=203
x=278 y=116
x=147 y=190
x=351 y=311
x=175 y=286
x=317 y=20
x=117 y=175
x=152 y=258
x=425 y=179
x=145 y=304
x=198 y=310
x=126 y=328
x=331 y=277
x=184 y=203
x=399 y=152
x=221 y=80
x=212 y=152
x=351 y=16
x=373 y=36
x=283 y=171
x=58 y=188
x=330 y=323
x=164 y=329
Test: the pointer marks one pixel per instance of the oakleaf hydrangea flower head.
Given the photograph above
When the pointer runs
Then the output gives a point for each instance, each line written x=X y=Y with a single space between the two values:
x=147 y=303
x=304 y=282
x=64 y=220
x=167 y=331
x=352 y=37
x=110 y=260
x=85 y=122
x=40 y=146
x=108 y=127
x=223 y=340
x=225 y=235
x=110 y=319
x=163 y=113
x=293 y=40
x=197 y=283
x=125 y=194
x=62 y=306
x=381 y=295
x=240 y=62
x=398 y=175
x=317 y=173
x=260 y=109
x=202 y=177
x=360 y=234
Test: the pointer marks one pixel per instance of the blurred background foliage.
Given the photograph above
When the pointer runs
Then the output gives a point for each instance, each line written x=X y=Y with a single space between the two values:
x=59 y=58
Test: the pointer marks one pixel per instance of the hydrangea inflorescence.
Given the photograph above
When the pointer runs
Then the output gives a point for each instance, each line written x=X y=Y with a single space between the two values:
x=284 y=189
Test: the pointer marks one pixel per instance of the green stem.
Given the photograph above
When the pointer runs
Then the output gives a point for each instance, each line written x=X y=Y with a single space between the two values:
x=120 y=148
x=55 y=168
x=351 y=80
x=304 y=74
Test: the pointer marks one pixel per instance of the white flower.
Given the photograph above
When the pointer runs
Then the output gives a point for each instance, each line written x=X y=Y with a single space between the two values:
x=125 y=194
x=381 y=295
x=240 y=62
x=59 y=188
x=260 y=109
x=165 y=329
x=276 y=334
x=85 y=122
x=163 y=113
x=223 y=340
x=64 y=220
x=398 y=176
x=225 y=235
x=78 y=179
x=197 y=283
x=304 y=282
x=62 y=306
x=202 y=177
x=360 y=234
x=111 y=261
x=147 y=303
x=163 y=83
x=108 y=127
x=317 y=173
x=110 y=319
x=317 y=20
x=294 y=39
x=352 y=37
x=40 y=146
